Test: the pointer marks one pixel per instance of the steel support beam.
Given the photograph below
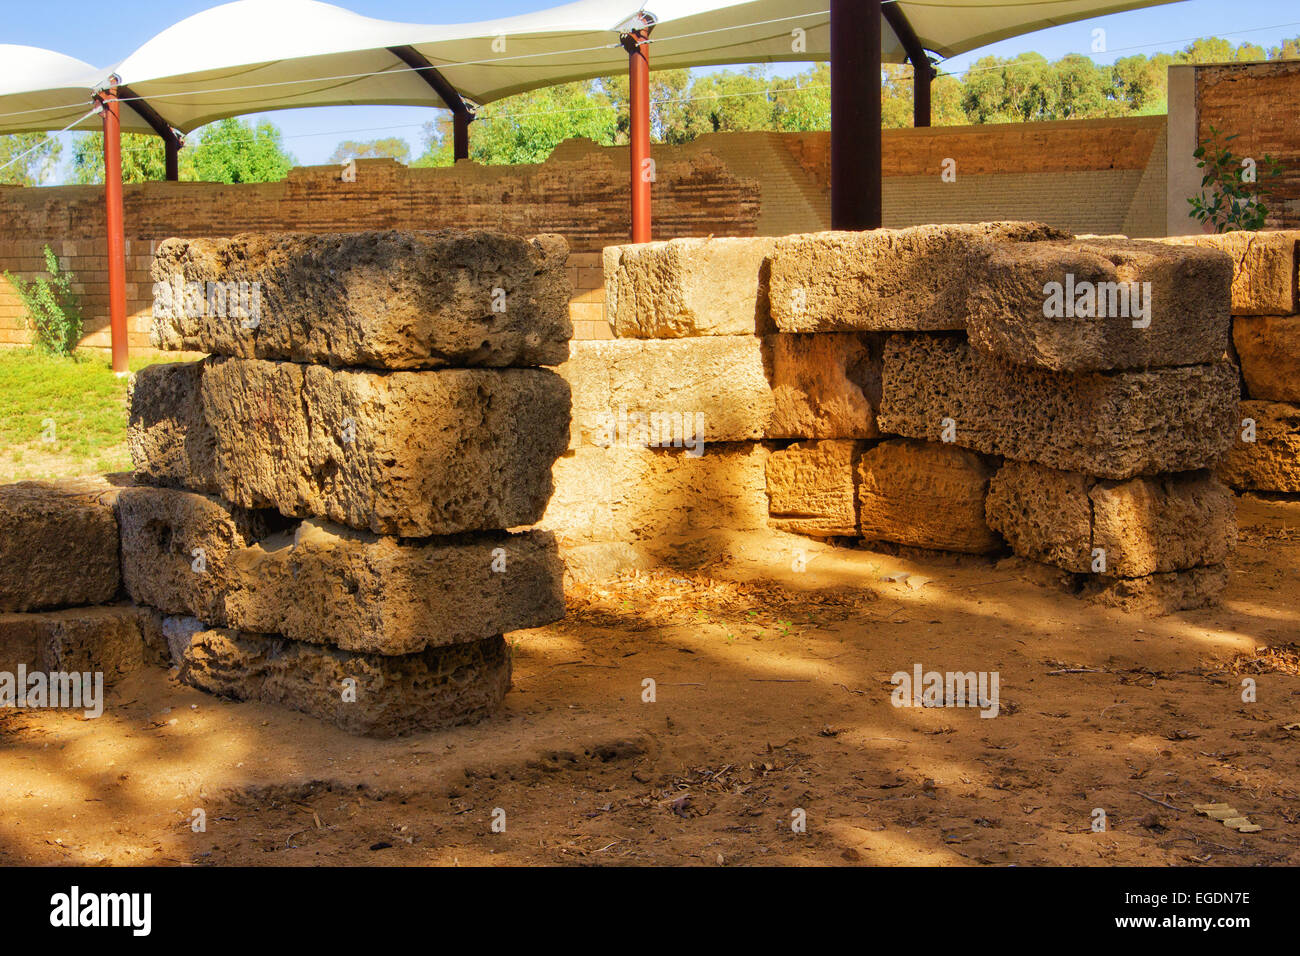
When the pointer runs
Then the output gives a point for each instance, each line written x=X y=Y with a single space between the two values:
x=462 y=115
x=637 y=44
x=115 y=219
x=172 y=141
x=855 y=114
x=923 y=71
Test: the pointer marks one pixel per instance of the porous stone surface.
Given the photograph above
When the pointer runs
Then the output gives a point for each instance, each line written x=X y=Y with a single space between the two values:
x=884 y=280
x=824 y=386
x=1272 y=461
x=688 y=287
x=1112 y=425
x=1162 y=593
x=403 y=453
x=324 y=584
x=632 y=494
x=399 y=300
x=1098 y=304
x=926 y=495
x=1143 y=526
x=810 y=486
x=664 y=393
x=108 y=639
x=437 y=688
x=178 y=548
x=170 y=441
x=1268 y=348
x=1264 y=268
x=58 y=544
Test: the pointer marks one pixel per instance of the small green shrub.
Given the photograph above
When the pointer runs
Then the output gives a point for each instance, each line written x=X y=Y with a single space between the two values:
x=1237 y=187
x=53 y=312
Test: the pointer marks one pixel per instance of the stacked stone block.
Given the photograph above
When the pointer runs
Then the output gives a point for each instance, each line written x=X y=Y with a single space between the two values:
x=60 y=585
x=1265 y=454
x=888 y=380
x=323 y=504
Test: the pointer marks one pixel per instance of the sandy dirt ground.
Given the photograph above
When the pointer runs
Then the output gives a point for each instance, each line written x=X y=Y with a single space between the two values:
x=772 y=701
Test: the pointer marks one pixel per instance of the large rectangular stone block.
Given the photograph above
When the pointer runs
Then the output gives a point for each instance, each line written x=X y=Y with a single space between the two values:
x=926 y=495
x=630 y=494
x=1113 y=425
x=324 y=584
x=1268 y=348
x=884 y=280
x=399 y=300
x=1125 y=529
x=1270 y=461
x=668 y=393
x=58 y=544
x=810 y=487
x=688 y=287
x=406 y=453
x=824 y=386
x=1099 y=304
x=109 y=640
x=367 y=694
x=1264 y=268
x=179 y=548
x=170 y=441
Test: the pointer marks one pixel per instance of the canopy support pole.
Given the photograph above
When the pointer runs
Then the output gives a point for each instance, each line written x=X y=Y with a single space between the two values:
x=637 y=44
x=172 y=141
x=923 y=70
x=855 y=114
x=115 y=220
x=461 y=114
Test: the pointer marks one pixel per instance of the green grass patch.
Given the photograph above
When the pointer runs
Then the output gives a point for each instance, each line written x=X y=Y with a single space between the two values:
x=72 y=408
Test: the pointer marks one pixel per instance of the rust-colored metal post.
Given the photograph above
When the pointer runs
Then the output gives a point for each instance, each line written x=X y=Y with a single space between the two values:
x=173 y=148
x=460 y=134
x=855 y=114
x=115 y=219
x=922 y=74
x=638 y=74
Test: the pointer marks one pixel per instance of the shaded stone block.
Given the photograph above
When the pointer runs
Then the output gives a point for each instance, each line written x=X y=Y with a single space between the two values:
x=810 y=486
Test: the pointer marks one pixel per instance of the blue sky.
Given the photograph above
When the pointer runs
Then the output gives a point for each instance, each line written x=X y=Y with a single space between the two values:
x=102 y=34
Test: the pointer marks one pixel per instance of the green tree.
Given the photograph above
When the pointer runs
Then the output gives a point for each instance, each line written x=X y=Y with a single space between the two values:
x=235 y=151
x=392 y=148
x=143 y=158
x=42 y=156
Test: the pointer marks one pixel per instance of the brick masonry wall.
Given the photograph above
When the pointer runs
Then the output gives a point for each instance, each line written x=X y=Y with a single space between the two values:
x=1087 y=176
x=1257 y=102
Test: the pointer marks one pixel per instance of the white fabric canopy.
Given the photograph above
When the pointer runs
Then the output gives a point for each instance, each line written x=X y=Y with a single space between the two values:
x=251 y=56
x=45 y=90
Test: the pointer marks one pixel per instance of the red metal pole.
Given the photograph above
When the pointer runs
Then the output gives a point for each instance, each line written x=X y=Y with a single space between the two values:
x=855 y=114
x=638 y=66
x=116 y=228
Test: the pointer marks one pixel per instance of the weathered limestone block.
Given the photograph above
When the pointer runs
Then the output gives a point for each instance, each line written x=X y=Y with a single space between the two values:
x=108 y=639
x=1126 y=529
x=58 y=544
x=810 y=487
x=1268 y=347
x=399 y=300
x=824 y=386
x=437 y=688
x=178 y=548
x=925 y=494
x=688 y=287
x=405 y=453
x=170 y=441
x=629 y=494
x=1162 y=593
x=1264 y=268
x=1272 y=461
x=1098 y=304
x=1113 y=425
x=323 y=584
x=884 y=280
x=668 y=393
